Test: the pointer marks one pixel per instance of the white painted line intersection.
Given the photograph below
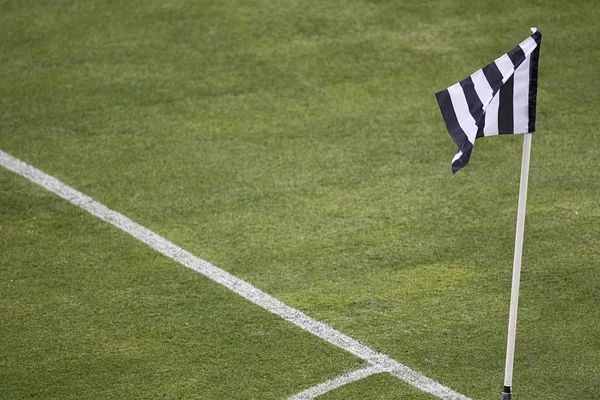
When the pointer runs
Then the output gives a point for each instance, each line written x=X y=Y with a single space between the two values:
x=336 y=382
x=379 y=362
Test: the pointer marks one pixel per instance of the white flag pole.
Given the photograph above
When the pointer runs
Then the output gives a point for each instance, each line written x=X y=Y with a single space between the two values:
x=516 y=278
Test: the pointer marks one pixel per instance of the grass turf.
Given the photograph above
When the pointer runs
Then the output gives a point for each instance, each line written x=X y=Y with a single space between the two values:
x=298 y=145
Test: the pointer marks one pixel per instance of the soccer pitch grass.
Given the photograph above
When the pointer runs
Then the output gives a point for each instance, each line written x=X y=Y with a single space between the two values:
x=297 y=145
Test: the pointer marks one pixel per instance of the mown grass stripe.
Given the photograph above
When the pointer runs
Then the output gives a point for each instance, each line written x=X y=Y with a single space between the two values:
x=233 y=283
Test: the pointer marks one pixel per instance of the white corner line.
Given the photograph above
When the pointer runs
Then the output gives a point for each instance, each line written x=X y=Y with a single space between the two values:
x=336 y=382
x=231 y=282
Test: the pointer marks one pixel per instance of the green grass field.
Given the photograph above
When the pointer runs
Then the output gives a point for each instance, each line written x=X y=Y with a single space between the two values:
x=298 y=145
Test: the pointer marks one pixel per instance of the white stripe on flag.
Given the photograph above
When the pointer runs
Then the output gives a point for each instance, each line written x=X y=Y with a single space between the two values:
x=483 y=88
x=521 y=98
x=461 y=109
x=528 y=45
x=505 y=66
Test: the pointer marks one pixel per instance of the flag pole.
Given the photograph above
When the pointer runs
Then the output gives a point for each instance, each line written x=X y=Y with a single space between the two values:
x=516 y=278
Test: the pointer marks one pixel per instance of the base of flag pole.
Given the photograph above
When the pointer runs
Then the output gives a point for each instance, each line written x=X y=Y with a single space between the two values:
x=506 y=394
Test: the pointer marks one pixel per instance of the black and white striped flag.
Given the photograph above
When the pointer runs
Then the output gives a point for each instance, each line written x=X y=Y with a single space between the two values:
x=500 y=98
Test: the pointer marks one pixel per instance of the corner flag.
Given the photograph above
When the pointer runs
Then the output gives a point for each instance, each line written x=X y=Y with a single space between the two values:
x=500 y=98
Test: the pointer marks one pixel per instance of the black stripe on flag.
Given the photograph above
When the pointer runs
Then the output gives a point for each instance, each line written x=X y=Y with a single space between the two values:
x=475 y=105
x=480 y=127
x=505 y=109
x=461 y=161
x=493 y=76
x=533 y=81
x=517 y=56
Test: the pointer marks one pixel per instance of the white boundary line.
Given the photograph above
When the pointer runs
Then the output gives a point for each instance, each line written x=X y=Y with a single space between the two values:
x=336 y=382
x=231 y=282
